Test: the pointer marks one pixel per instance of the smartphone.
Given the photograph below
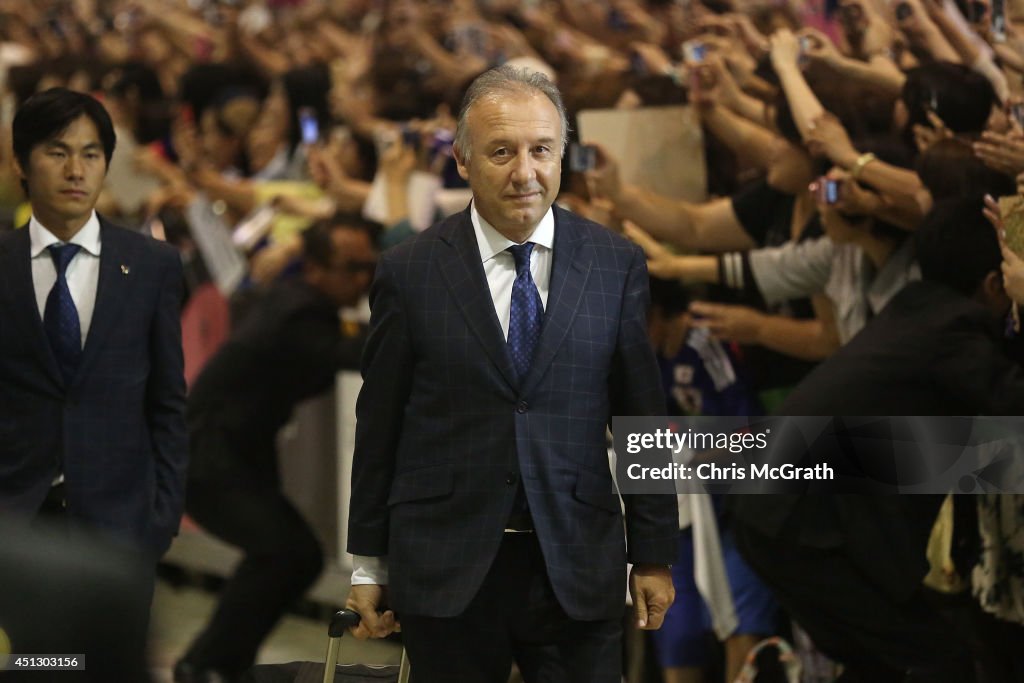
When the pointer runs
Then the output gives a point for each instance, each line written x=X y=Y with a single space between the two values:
x=694 y=51
x=441 y=145
x=57 y=26
x=976 y=11
x=998 y=21
x=582 y=157
x=410 y=137
x=805 y=44
x=203 y=47
x=828 y=190
x=1017 y=112
x=253 y=228
x=7 y=108
x=617 y=20
x=309 y=127
x=637 y=65
x=472 y=40
x=904 y=10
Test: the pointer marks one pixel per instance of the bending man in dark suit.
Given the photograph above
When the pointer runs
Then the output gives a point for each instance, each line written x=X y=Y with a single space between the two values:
x=850 y=567
x=287 y=349
x=502 y=341
x=92 y=403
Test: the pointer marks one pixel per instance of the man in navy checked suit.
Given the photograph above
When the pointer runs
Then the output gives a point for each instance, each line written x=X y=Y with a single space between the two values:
x=502 y=341
x=92 y=391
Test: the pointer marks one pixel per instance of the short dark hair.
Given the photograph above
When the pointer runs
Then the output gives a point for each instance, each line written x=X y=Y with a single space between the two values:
x=316 y=239
x=956 y=245
x=960 y=96
x=949 y=168
x=45 y=115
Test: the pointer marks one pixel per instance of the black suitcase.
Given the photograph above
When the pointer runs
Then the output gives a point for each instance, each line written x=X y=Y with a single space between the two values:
x=330 y=671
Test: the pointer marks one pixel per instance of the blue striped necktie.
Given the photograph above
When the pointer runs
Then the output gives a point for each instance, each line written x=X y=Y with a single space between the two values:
x=60 y=318
x=527 y=312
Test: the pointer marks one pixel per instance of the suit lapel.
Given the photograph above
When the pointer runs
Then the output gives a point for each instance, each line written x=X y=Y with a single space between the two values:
x=17 y=265
x=463 y=272
x=112 y=290
x=569 y=273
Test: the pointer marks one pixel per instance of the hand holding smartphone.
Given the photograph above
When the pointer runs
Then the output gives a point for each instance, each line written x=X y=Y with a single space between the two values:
x=828 y=191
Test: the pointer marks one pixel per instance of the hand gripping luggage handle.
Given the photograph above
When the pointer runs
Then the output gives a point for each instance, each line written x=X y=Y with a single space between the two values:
x=341 y=622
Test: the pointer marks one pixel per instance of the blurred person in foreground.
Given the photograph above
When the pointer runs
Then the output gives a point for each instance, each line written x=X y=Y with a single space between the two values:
x=92 y=429
x=79 y=595
x=502 y=340
x=287 y=349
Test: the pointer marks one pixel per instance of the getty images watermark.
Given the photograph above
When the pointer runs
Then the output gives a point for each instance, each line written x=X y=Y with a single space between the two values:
x=690 y=442
x=819 y=455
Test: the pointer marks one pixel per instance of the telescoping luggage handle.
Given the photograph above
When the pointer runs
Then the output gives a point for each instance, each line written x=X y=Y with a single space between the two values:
x=341 y=622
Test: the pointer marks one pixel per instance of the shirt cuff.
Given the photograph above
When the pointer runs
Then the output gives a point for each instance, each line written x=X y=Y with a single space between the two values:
x=369 y=570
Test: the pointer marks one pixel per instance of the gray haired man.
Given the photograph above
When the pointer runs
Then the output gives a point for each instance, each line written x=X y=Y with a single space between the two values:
x=502 y=340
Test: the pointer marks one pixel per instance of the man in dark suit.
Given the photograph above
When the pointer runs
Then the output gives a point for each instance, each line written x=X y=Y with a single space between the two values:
x=502 y=341
x=92 y=423
x=849 y=567
x=288 y=348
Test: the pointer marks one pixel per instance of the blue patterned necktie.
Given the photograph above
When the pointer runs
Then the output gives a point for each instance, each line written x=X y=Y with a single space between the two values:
x=527 y=312
x=60 y=318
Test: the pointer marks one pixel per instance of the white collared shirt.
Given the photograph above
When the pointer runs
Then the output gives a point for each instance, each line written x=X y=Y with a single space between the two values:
x=83 y=273
x=500 y=271
x=500 y=265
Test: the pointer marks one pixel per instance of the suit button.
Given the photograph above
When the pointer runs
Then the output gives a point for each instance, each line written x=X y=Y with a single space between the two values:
x=521 y=407
x=511 y=479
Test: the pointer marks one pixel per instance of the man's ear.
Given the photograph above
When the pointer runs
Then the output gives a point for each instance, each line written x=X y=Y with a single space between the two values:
x=463 y=167
x=993 y=293
x=18 y=169
x=992 y=285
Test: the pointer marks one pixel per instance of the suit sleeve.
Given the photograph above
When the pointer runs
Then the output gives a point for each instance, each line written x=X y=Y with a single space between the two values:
x=972 y=368
x=318 y=345
x=387 y=370
x=165 y=398
x=652 y=520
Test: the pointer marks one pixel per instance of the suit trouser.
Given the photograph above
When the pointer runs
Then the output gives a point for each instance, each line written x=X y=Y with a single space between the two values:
x=282 y=559
x=514 y=617
x=877 y=638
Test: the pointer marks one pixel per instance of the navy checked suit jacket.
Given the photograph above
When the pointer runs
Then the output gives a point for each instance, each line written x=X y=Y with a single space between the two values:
x=118 y=427
x=444 y=433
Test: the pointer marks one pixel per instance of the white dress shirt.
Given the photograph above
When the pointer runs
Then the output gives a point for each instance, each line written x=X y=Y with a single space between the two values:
x=83 y=272
x=500 y=271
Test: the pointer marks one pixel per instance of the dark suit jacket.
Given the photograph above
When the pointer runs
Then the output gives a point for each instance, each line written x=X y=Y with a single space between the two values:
x=118 y=430
x=288 y=348
x=444 y=432
x=931 y=351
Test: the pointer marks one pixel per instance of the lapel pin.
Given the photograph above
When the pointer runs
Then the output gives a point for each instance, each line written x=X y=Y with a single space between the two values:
x=125 y=270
